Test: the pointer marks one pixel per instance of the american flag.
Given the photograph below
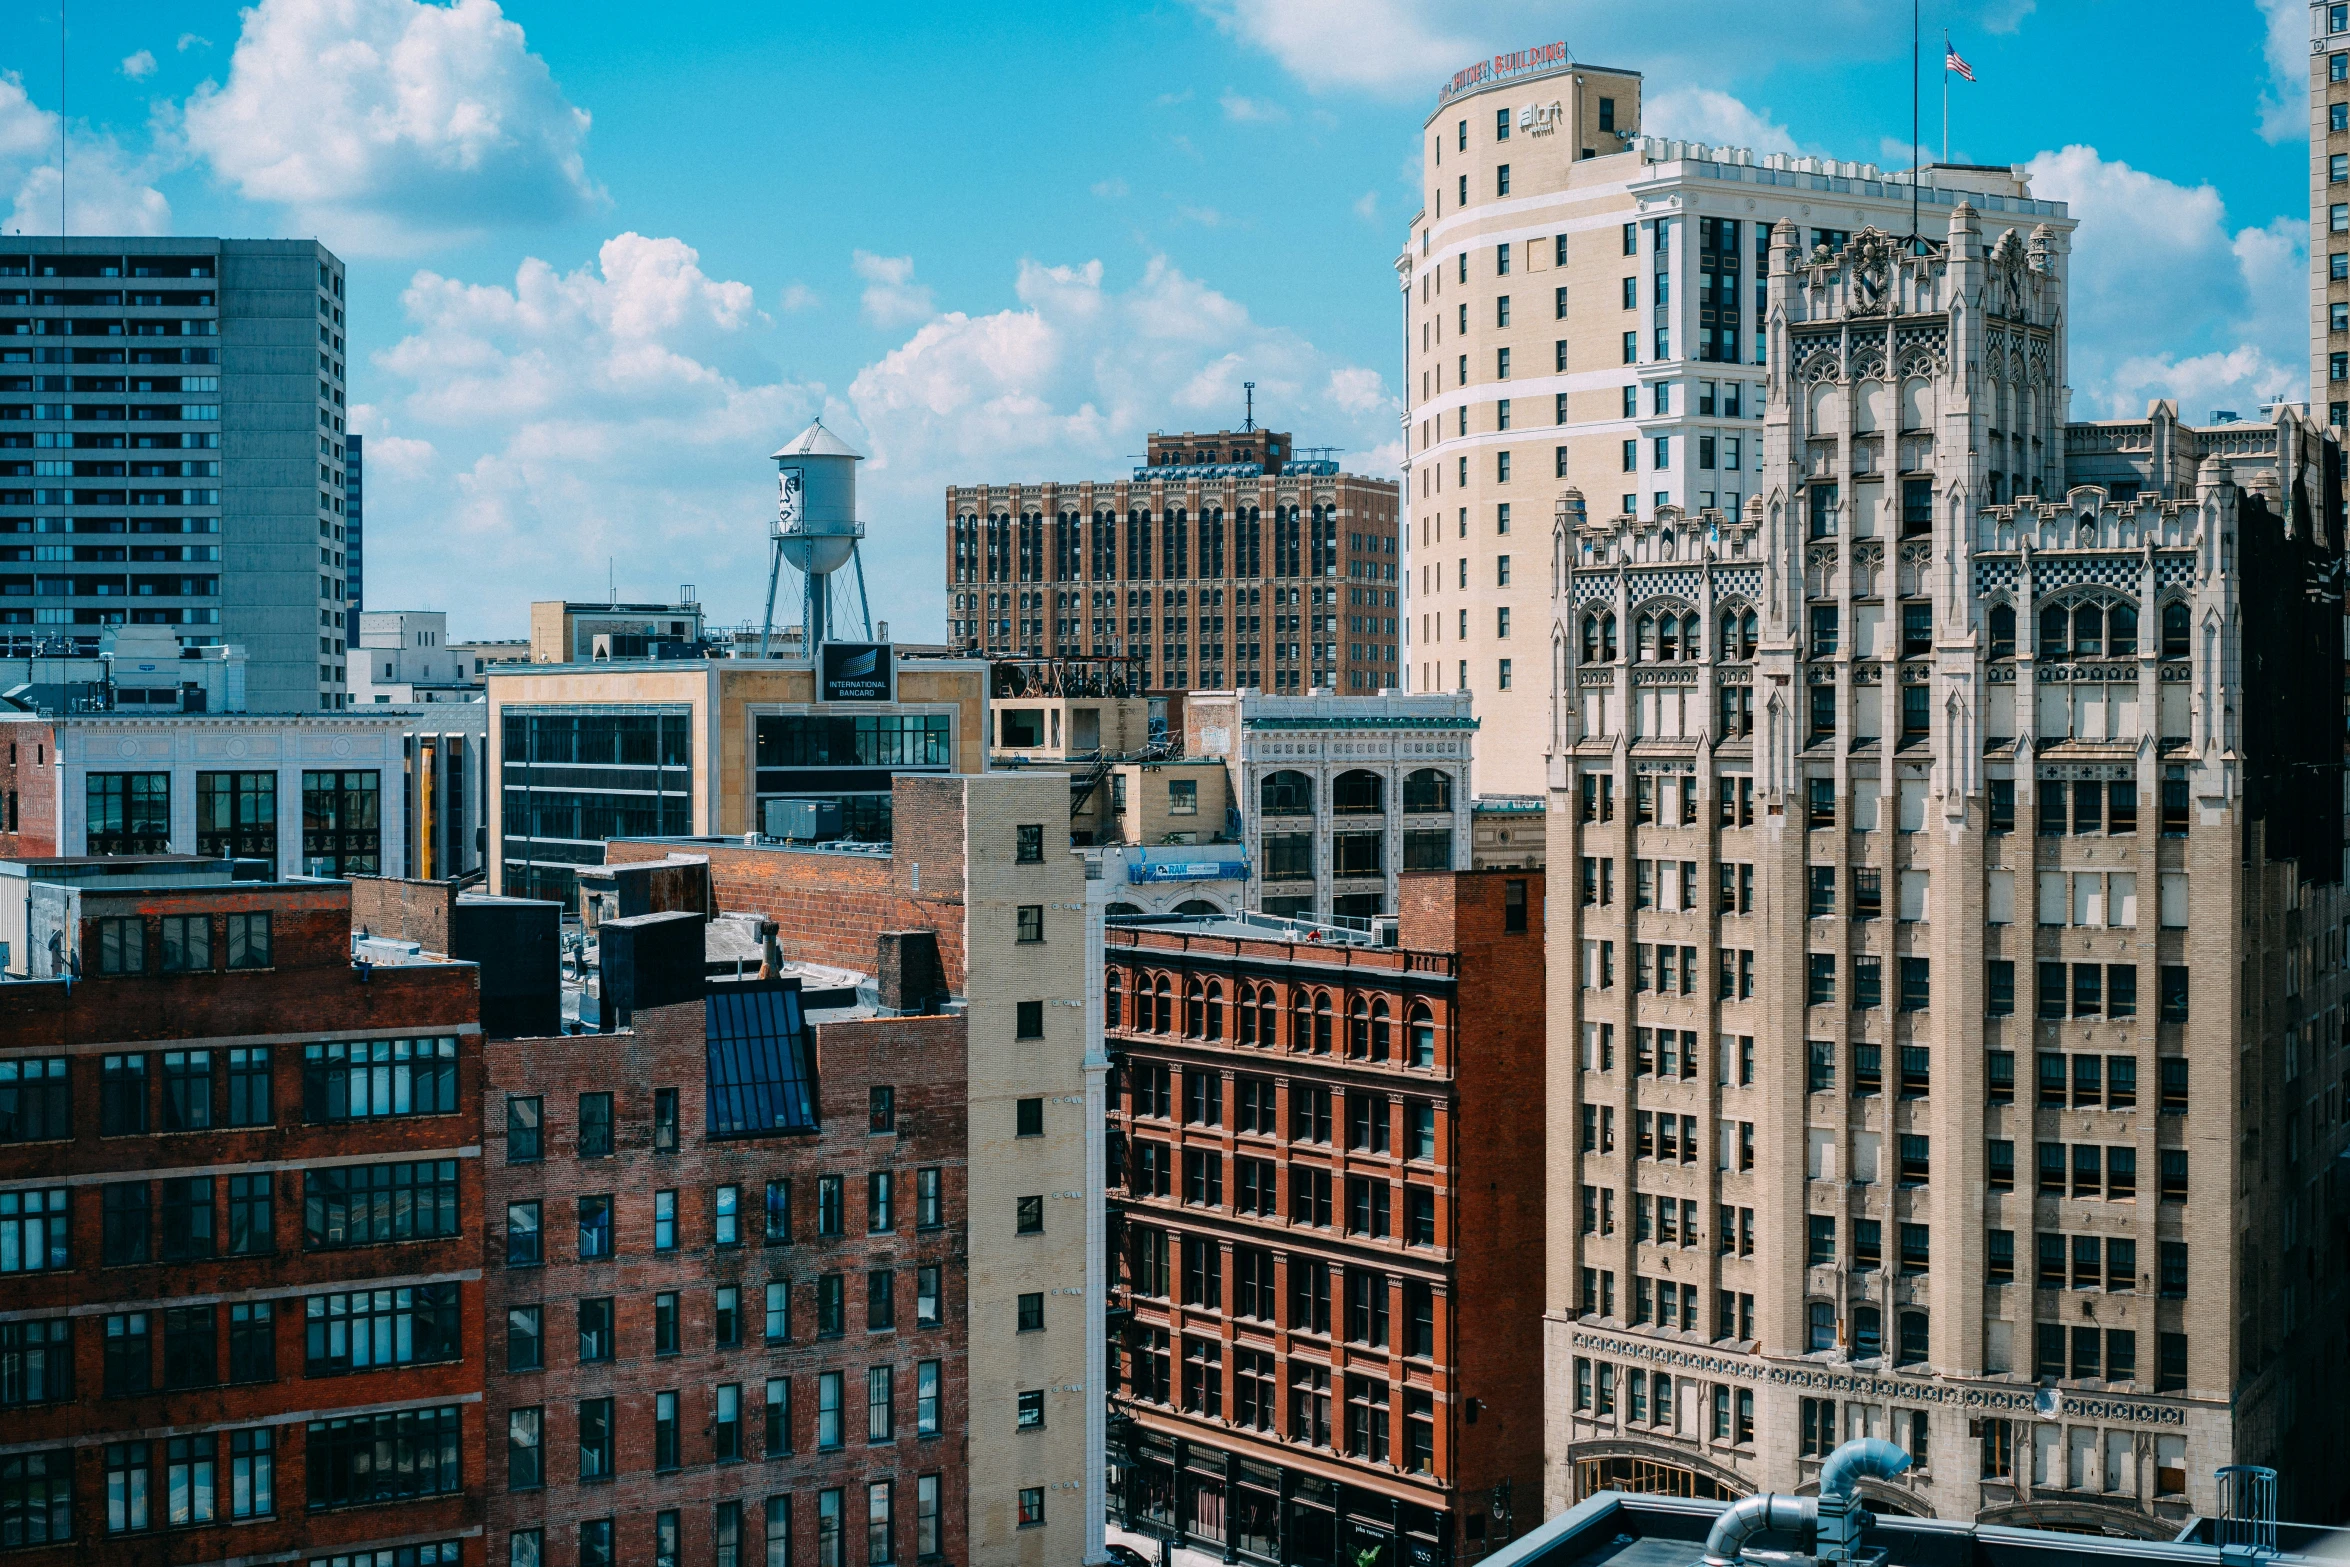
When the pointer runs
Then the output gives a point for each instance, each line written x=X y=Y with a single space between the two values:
x=1951 y=62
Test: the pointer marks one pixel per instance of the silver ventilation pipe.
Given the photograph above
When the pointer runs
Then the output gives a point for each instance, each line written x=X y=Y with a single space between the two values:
x=1835 y=1515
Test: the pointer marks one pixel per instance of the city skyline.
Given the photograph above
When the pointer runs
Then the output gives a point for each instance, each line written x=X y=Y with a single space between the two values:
x=574 y=339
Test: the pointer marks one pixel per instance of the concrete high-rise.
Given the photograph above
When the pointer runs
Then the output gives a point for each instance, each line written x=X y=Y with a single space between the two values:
x=1227 y=560
x=1583 y=306
x=172 y=425
x=1946 y=1038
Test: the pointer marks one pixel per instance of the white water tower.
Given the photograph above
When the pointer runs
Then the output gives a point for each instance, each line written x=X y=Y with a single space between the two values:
x=816 y=530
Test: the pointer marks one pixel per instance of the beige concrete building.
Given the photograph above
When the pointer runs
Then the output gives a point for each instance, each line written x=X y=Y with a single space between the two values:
x=582 y=752
x=1946 y=1027
x=1036 y=1193
x=1582 y=305
x=1223 y=559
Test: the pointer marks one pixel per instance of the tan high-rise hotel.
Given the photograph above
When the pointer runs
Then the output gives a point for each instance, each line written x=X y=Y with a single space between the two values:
x=1946 y=998
x=1584 y=305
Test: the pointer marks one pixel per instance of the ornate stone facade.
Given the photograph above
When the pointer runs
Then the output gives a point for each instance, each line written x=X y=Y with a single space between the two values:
x=1946 y=1040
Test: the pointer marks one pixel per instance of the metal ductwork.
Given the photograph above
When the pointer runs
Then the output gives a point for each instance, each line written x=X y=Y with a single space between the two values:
x=1835 y=1515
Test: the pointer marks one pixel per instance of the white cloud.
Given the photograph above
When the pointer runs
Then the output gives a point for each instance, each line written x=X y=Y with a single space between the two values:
x=138 y=67
x=891 y=297
x=1407 y=49
x=1110 y=189
x=1380 y=45
x=2167 y=300
x=799 y=296
x=192 y=41
x=1243 y=110
x=1708 y=115
x=385 y=125
x=107 y=190
x=1205 y=217
x=1068 y=384
x=1367 y=206
x=2284 y=100
x=625 y=408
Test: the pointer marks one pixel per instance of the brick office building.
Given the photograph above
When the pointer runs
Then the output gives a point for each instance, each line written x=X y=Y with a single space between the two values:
x=1325 y=1150
x=726 y=1286
x=979 y=865
x=1278 y=572
x=238 y=1210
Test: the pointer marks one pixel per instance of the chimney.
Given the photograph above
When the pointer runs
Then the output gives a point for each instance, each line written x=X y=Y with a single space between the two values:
x=908 y=974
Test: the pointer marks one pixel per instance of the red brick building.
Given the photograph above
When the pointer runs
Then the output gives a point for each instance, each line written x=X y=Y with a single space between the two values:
x=726 y=1287
x=240 y=1203
x=1327 y=1161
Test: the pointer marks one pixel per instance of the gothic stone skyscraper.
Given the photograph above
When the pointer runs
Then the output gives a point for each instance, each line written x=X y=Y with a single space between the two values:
x=1950 y=940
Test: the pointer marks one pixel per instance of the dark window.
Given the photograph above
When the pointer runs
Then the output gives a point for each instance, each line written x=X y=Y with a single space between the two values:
x=36 y=1100
x=525 y=1338
x=236 y=816
x=359 y=1459
x=187 y=1218
x=357 y=1080
x=249 y=1099
x=248 y=940
x=36 y=1361
x=364 y=1204
x=252 y=1342
x=122 y=1096
x=129 y=813
x=365 y=1330
x=522 y=1129
x=595 y=1126
x=2002 y=814
x=122 y=945
x=124 y=1239
x=1999 y=987
x=342 y=833
x=1029 y=844
x=1028 y=1020
x=664 y=1121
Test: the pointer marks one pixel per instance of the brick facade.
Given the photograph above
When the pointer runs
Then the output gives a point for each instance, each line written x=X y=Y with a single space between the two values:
x=197 y=1267
x=921 y=1061
x=1324 y=1154
x=28 y=788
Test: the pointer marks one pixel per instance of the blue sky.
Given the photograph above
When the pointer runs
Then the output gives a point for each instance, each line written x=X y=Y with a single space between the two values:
x=604 y=258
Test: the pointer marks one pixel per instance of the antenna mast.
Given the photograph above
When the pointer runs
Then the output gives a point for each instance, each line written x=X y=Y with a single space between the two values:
x=1248 y=425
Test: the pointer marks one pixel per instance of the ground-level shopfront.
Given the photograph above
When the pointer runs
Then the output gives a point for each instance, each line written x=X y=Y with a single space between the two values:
x=1243 y=1509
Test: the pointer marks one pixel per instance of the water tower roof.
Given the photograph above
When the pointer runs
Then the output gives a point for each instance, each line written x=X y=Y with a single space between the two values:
x=817 y=441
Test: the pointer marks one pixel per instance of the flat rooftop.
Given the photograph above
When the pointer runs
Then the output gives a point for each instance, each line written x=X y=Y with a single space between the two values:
x=1247 y=926
x=1660 y=1531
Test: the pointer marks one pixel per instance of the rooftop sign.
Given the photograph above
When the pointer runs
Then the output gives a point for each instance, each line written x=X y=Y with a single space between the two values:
x=1502 y=67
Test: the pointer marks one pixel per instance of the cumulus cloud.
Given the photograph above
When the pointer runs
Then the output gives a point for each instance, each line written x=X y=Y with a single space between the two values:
x=138 y=67
x=891 y=297
x=2284 y=101
x=799 y=296
x=2167 y=300
x=1709 y=115
x=387 y=125
x=1068 y=384
x=108 y=190
x=530 y=429
x=193 y=41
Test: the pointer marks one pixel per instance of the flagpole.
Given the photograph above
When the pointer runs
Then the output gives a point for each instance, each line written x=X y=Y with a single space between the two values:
x=1945 y=95
x=1913 y=123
